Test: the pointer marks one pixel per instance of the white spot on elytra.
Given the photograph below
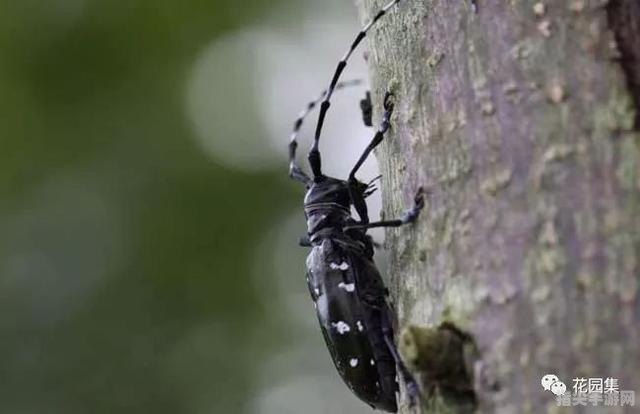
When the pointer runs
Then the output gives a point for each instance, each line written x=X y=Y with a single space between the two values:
x=317 y=291
x=341 y=266
x=372 y=362
x=341 y=327
x=360 y=327
x=349 y=287
x=353 y=362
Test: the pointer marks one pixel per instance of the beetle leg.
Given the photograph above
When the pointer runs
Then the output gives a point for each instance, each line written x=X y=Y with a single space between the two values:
x=314 y=154
x=359 y=203
x=367 y=108
x=413 y=391
x=357 y=196
x=304 y=241
x=377 y=138
x=408 y=217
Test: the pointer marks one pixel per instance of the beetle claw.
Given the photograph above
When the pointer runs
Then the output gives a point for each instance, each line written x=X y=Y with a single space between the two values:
x=419 y=198
x=413 y=392
x=388 y=101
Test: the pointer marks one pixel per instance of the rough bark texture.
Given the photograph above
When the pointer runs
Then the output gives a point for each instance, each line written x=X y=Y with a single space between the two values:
x=520 y=119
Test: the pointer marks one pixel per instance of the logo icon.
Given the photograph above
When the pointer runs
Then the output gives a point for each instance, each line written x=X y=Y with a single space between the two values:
x=558 y=388
x=552 y=383
x=589 y=391
x=548 y=380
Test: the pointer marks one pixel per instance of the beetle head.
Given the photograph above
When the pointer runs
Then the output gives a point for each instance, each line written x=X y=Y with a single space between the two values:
x=335 y=191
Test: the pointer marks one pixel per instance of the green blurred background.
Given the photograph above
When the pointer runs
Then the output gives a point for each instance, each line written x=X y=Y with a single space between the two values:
x=148 y=258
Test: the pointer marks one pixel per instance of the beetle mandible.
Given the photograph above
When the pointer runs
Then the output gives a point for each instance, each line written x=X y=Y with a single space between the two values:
x=345 y=285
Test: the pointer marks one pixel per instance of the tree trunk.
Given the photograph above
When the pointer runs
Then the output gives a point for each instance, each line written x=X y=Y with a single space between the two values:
x=520 y=120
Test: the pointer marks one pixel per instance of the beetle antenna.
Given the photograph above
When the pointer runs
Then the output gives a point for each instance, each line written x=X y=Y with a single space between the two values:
x=295 y=171
x=314 y=154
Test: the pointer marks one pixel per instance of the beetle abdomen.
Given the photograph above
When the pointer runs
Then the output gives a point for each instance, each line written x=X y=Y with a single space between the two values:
x=351 y=326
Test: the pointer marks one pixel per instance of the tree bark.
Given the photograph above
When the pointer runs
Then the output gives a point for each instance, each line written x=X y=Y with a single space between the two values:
x=521 y=122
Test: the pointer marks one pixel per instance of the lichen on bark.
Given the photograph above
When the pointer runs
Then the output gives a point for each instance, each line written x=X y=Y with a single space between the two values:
x=520 y=120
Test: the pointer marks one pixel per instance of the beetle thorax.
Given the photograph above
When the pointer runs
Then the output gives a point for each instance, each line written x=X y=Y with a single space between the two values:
x=327 y=205
x=326 y=193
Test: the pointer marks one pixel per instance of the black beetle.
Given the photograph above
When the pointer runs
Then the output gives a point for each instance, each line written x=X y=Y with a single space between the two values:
x=345 y=285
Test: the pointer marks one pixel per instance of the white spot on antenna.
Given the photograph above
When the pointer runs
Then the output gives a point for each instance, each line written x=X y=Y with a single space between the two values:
x=317 y=291
x=353 y=362
x=349 y=287
x=360 y=327
x=341 y=266
x=372 y=362
x=341 y=327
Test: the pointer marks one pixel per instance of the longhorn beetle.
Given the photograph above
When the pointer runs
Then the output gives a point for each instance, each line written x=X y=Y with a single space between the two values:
x=345 y=285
